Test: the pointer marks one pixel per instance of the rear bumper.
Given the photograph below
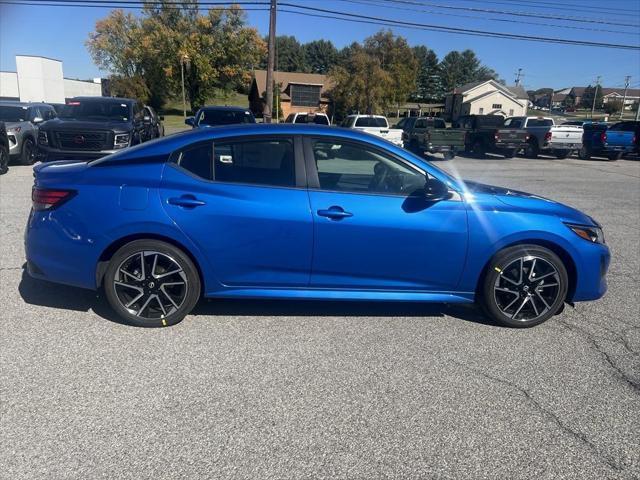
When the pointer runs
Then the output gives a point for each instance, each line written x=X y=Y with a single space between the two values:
x=562 y=146
x=510 y=145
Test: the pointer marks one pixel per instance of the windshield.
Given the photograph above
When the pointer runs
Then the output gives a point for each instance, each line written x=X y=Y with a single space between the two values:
x=98 y=109
x=372 y=122
x=13 y=114
x=317 y=119
x=224 y=117
x=540 y=122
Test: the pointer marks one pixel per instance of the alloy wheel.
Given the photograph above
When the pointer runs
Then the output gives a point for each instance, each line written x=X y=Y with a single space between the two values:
x=150 y=285
x=527 y=288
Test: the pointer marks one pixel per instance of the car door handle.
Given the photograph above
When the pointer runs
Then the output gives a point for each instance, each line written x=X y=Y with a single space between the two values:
x=334 y=213
x=186 y=201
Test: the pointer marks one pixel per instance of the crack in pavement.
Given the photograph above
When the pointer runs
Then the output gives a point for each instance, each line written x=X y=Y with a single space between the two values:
x=579 y=436
x=620 y=374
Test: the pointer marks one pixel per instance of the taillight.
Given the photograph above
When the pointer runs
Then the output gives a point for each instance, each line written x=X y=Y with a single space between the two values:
x=547 y=136
x=48 y=199
x=633 y=140
x=496 y=137
x=603 y=137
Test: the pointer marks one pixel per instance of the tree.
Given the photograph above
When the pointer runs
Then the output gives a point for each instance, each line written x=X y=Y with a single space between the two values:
x=320 y=56
x=428 y=80
x=220 y=49
x=459 y=68
x=587 y=97
x=290 y=55
x=613 y=106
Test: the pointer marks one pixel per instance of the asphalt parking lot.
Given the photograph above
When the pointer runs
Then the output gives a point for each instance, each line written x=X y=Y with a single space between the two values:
x=329 y=390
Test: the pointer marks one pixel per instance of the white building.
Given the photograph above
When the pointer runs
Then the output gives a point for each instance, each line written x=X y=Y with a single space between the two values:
x=486 y=98
x=40 y=79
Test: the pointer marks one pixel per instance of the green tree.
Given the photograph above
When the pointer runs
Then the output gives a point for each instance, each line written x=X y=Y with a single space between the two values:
x=290 y=55
x=320 y=56
x=586 y=100
x=613 y=106
x=459 y=68
x=428 y=80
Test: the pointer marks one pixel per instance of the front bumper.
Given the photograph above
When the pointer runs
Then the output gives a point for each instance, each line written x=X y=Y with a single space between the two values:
x=592 y=266
x=49 y=154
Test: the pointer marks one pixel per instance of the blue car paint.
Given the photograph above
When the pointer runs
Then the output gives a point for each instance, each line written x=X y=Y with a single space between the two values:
x=617 y=141
x=255 y=241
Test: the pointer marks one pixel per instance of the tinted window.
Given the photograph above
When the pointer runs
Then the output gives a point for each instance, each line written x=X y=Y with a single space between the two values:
x=513 y=123
x=224 y=117
x=539 y=122
x=354 y=167
x=264 y=162
x=98 y=109
x=371 y=122
x=439 y=123
x=490 y=121
x=317 y=119
x=13 y=114
x=198 y=160
x=290 y=118
x=421 y=123
x=48 y=113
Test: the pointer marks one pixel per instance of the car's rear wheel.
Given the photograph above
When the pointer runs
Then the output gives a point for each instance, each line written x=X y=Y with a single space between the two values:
x=532 y=150
x=524 y=286
x=615 y=156
x=449 y=155
x=479 y=150
x=28 y=154
x=4 y=160
x=510 y=152
x=584 y=153
x=150 y=283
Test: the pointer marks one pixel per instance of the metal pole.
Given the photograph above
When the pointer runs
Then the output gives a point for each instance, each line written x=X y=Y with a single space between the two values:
x=184 y=101
x=595 y=94
x=624 y=97
x=270 y=62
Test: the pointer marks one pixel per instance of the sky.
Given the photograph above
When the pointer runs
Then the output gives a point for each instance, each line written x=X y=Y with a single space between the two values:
x=61 y=33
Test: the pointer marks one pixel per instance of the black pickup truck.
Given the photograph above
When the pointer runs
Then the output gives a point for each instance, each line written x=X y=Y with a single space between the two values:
x=92 y=127
x=487 y=134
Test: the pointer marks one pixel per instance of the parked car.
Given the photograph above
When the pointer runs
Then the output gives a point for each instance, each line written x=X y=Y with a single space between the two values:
x=600 y=140
x=302 y=212
x=430 y=134
x=153 y=123
x=491 y=134
x=215 y=116
x=308 y=117
x=92 y=127
x=630 y=126
x=375 y=125
x=21 y=121
x=4 y=149
x=548 y=138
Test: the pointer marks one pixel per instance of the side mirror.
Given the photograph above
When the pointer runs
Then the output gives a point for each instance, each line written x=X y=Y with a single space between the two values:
x=435 y=190
x=38 y=120
x=190 y=121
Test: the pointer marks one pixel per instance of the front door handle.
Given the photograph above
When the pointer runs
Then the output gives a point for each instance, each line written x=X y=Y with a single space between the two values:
x=186 y=201
x=334 y=213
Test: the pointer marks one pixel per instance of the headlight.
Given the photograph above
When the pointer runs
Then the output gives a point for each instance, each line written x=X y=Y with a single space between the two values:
x=587 y=232
x=121 y=140
x=43 y=138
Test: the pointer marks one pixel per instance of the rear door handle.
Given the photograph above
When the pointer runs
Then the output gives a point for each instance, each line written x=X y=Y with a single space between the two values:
x=186 y=201
x=334 y=213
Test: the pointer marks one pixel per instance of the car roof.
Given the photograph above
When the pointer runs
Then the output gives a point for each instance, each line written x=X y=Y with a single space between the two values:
x=9 y=103
x=365 y=115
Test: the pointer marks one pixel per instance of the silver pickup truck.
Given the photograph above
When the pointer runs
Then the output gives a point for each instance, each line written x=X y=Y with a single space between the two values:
x=547 y=138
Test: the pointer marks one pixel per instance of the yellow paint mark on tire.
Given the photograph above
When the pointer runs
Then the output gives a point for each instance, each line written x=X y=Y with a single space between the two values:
x=164 y=322
x=497 y=269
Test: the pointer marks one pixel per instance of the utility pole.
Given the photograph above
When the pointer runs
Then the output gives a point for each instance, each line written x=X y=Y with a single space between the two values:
x=627 y=79
x=595 y=95
x=184 y=58
x=270 y=62
x=519 y=74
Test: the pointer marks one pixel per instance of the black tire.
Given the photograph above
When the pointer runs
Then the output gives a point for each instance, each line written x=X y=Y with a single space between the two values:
x=562 y=154
x=535 y=308
x=531 y=150
x=449 y=155
x=414 y=147
x=175 y=303
x=479 y=150
x=4 y=160
x=28 y=154
x=510 y=152
x=614 y=156
x=584 y=153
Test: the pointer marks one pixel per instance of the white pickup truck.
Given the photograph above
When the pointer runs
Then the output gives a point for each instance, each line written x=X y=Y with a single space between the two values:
x=375 y=125
x=546 y=137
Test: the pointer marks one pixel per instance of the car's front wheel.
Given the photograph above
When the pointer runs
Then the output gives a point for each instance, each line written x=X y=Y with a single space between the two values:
x=150 y=283
x=28 y=154
x=524 y=286
x=4 y=160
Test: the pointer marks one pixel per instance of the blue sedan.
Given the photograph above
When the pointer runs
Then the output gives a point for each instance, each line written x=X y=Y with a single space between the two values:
x=302 y=212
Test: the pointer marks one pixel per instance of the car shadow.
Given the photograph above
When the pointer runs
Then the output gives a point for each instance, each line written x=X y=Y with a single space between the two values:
x=46 y=294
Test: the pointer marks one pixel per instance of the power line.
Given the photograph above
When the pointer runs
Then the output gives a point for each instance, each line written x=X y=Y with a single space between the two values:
x=464 y=31
x=504 y=20
x=130 y=5
x=515 y=13
x=566 y=6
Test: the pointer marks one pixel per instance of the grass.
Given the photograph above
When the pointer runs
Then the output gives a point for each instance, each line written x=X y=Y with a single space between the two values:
x=173 y=114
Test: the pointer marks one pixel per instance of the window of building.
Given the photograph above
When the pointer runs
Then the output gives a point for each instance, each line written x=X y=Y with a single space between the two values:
x=357 y=168
x=305 y=95
x=496 y=106
x=480 y=111
x=511 y=112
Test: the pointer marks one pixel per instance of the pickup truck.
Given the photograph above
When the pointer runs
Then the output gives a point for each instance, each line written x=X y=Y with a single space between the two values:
x=630 y=126
x=429 y=134
x=546 y=137
x=375 y=125
x=599 y=140
x=487 y=133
